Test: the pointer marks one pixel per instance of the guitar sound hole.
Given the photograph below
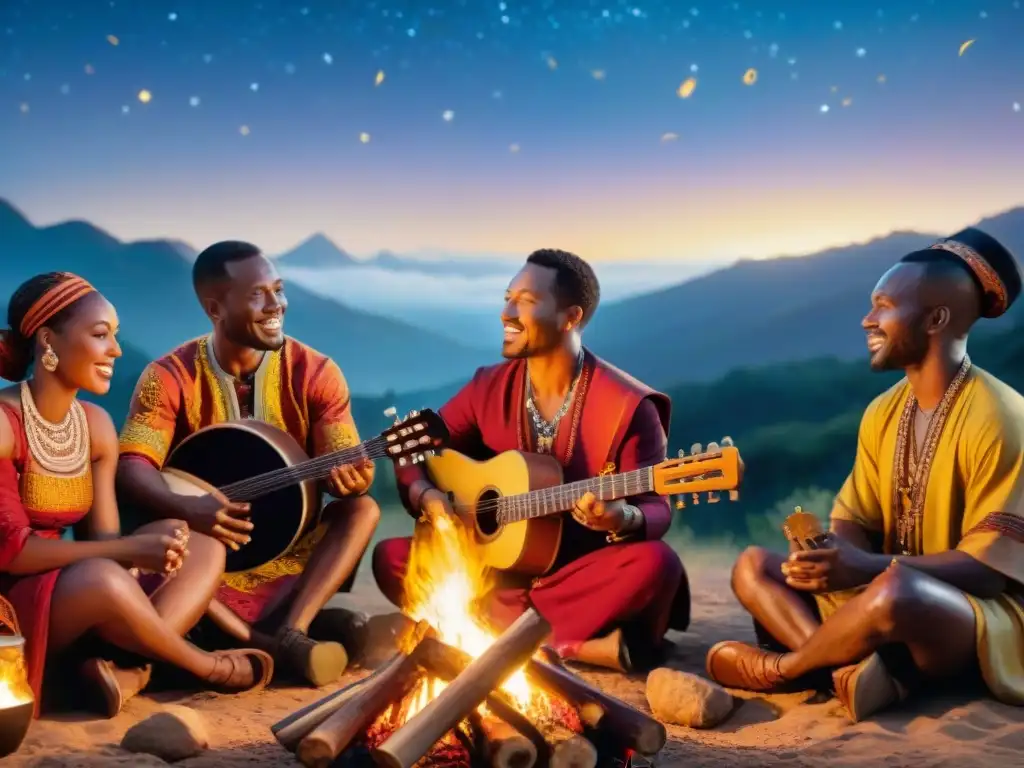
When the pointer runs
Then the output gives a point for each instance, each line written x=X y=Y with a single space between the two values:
x=487 y=513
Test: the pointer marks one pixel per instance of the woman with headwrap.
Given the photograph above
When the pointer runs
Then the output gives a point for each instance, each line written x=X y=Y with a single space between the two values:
x=77 y=598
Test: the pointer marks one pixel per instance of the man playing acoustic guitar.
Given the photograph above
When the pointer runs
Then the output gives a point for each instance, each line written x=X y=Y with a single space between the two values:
x=615 y=587
x=248 y=368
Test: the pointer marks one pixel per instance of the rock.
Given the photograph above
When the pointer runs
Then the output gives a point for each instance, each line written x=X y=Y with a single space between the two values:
x=684 y=699
x=174 y=734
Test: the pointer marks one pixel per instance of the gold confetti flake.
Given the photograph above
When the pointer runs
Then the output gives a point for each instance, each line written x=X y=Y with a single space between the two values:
x=668 y=137
x=597 y=74
x=145 y=96
x=552 y=62
x=89 y=69
x=23 y=107
x=847 y=101
x=364 y=137
x=244 y=130
x=379 y=78
x=881 y=79
x=750 y=76
x=687 y=87
x=112 y=39
x=833 y=88
x=964 y=46
x=513 y=148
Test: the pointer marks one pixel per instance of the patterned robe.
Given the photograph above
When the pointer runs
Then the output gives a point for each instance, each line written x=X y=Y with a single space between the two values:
x=974 y=503
x=296 y=389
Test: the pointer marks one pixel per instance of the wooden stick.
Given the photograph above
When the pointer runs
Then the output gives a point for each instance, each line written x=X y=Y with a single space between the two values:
x=575 y=752
x=291 y=730
x=320 y=747
x=464 y=694
x=447 y=663
x=635 y=729
x=504 y=746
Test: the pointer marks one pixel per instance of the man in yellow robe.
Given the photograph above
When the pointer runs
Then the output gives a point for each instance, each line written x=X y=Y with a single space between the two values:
x=248 y=369
x=922 y=574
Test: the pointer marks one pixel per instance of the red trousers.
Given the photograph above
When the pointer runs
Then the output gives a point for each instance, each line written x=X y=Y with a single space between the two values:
x=638 y=584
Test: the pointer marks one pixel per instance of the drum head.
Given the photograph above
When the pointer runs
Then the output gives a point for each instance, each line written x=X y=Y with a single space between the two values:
x=226 y=455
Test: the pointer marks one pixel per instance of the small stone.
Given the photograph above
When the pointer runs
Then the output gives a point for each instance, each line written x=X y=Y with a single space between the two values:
x=680 y=698
x=174 y=734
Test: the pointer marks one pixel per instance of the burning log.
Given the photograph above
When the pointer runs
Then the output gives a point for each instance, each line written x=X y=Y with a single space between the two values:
x=464 y=694
x=292 y=729
x=503 y=746
x=598 y=710
x=575 y=752
x=447 y=663
x=357 y=712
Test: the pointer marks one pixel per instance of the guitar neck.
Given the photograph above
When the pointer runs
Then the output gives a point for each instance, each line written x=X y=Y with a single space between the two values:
x=311 y=469
x=561 y=498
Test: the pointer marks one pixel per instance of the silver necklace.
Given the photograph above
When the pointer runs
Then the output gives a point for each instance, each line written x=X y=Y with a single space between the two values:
x=61 y=448
x=544 y=430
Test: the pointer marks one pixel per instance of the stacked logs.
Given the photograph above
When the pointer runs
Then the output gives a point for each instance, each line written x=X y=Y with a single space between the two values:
x=320 y=733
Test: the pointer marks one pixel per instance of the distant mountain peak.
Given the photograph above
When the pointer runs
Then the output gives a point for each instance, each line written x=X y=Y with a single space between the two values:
x=11 y=217
x=317 y=251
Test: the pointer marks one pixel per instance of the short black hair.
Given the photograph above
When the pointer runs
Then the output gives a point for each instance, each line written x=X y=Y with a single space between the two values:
x=575 y=281
x=211 y=265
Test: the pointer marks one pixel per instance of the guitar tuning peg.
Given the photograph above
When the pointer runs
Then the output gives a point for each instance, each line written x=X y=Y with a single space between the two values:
x=412 y=414
x=713 y=497
x=696 y=499
x=682 y=454
x=797 y=509
x=727 y=442
x=680 y=501
x=712 y=446
x=392 y=413
x=402 y=461
x=695 y=449
x=734 y=495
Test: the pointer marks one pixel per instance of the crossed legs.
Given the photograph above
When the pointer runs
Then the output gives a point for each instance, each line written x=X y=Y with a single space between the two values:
x=100 y=597
x=902 y=609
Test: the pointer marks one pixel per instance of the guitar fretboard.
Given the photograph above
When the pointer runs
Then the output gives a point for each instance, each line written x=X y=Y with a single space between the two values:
x=561 y=498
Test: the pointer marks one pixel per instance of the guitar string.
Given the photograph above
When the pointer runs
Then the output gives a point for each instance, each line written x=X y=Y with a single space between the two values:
x=517 y=508
x=375 y=448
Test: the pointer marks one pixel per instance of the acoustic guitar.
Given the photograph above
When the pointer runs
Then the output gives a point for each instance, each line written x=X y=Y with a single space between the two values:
x=258 y=463
x=512 y=502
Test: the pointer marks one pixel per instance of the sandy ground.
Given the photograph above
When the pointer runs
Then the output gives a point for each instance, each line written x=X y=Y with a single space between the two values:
x=784 y=730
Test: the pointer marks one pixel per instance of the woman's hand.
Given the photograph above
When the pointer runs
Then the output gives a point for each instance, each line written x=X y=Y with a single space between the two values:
x=157 y=552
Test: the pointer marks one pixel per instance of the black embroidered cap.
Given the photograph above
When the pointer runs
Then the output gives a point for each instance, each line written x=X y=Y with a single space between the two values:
x=991 y=263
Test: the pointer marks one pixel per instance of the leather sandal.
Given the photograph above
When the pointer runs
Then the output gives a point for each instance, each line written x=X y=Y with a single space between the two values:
x=111 y=696
x=866 y=688
x=228 y=669
x=738 y=665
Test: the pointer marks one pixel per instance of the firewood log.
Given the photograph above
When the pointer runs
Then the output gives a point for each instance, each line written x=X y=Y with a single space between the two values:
x=575 y=752
x=464 y=694
x=504 y=746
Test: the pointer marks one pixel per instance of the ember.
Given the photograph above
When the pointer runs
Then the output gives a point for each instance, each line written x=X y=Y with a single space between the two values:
x=456 y=695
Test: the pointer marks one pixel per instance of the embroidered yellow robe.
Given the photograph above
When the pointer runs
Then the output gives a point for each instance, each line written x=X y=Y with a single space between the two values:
x=974 y=503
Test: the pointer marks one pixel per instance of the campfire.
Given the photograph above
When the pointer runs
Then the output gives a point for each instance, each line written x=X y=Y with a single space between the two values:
x=457 y=694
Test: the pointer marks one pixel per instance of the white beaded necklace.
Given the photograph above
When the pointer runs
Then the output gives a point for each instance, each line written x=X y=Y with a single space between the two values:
x=62 y=448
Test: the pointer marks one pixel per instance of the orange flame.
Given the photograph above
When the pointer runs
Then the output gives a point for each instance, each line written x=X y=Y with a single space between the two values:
x=445 y=580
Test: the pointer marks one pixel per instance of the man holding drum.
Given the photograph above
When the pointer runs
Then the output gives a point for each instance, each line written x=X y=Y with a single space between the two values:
x=248 y=369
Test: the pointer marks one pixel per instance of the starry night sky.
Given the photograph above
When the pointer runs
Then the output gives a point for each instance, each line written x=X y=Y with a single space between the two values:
x=507 y=126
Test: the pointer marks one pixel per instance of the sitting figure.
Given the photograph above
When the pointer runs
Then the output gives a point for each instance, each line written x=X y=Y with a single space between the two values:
x=922 y=575
x=615 y=587
x=58 y=457
x=246 y=368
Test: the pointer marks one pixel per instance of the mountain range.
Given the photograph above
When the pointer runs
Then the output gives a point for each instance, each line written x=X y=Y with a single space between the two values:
x=150 y=284
x=766 y=311
x=751 y=313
